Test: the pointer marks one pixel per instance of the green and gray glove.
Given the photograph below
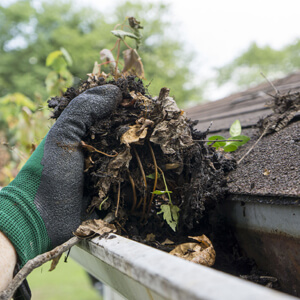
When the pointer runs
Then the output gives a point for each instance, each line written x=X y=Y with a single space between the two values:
x=44 y=204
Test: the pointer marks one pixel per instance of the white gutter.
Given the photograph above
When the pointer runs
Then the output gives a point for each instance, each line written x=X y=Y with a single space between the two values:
x=139 y=272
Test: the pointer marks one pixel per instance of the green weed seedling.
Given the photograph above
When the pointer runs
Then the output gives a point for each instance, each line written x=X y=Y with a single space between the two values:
x=235 y=140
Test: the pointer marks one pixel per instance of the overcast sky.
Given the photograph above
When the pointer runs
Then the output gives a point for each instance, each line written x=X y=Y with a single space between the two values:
x=220 y=30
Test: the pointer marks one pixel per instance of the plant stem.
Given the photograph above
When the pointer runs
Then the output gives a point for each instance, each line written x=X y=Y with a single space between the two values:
x=133 y=191
x=144 y=199
x=118 y=56
x=155 y=179
x=118 y=201
x=165 y=182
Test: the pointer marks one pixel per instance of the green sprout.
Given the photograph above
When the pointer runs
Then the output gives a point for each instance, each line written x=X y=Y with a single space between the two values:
x=170 y=211
x=234 y=142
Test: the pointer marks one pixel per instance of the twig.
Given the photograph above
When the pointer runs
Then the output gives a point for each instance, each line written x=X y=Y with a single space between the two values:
x=36 y=262
x=265 y=131
x=133 y=191
x=144 y=199
x=270 y=82
x=118 y=201
x=93 y=149
x=155 y=179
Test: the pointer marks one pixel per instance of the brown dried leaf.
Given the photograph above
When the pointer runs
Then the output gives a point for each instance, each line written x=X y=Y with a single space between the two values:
x=167 y=242
x=173 y=133
x=137 y=133
x=54 y=262
x=137 y=96
x=134 y=135
x=150 y=237
x=201 y=253
x=133 y=63
x=96 y=69
x=90 y=228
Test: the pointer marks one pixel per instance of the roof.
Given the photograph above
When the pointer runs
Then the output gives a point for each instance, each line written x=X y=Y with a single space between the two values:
x=273 y=166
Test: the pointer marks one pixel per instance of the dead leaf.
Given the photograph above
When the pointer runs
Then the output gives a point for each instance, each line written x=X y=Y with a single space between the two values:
x=167 y=242
x=54 y=262
x=90 y=228
x=266 y=172
x=96 y=69
x=133 y=63
x=201 y=253
x=150 y=237
x=136 y=133
x=137 y=96
x=173 y=133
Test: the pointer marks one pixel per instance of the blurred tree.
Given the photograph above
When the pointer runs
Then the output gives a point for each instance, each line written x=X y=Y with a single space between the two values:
x=245 y=69
x=29 y=30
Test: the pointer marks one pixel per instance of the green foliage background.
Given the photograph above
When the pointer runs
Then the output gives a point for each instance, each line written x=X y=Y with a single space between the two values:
x=28 y=33
x=245 y=70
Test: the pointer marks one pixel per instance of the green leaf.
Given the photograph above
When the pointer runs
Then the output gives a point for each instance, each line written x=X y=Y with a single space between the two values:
x=230 y=147
x=170 y=214
x=157 y=192
x=121 y=34
x=235 y=128
x=244 y=139
x=152 y=176
x=67 y=56
x=17 y=99
x=59 y=64
x=216 y=144
x=52 y=57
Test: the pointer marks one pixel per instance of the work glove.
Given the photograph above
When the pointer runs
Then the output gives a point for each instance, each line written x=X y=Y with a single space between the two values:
x=44 y=204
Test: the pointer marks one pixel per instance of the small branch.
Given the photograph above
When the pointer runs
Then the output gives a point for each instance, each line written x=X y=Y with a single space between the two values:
x=36 y=262
x=270 y=82
x=118 y=200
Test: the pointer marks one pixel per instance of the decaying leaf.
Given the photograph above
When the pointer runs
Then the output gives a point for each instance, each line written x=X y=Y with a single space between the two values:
x=167 y=242
x=173 y=133
x=133 y=63
x=150 y=237
x=137 y=96
x=115 y=166
x=90 y=228
x=201 y=253
x=136 y=133
x=105 y=54
x=96 y=69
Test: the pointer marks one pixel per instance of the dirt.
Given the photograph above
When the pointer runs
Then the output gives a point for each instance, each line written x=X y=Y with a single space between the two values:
x=194 y=173
x=143 y=132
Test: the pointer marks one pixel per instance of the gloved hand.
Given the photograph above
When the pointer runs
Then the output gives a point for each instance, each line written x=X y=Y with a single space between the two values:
x=44 y=204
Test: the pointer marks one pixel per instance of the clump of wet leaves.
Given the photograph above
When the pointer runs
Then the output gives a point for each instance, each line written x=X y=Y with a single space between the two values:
x=143 y=168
